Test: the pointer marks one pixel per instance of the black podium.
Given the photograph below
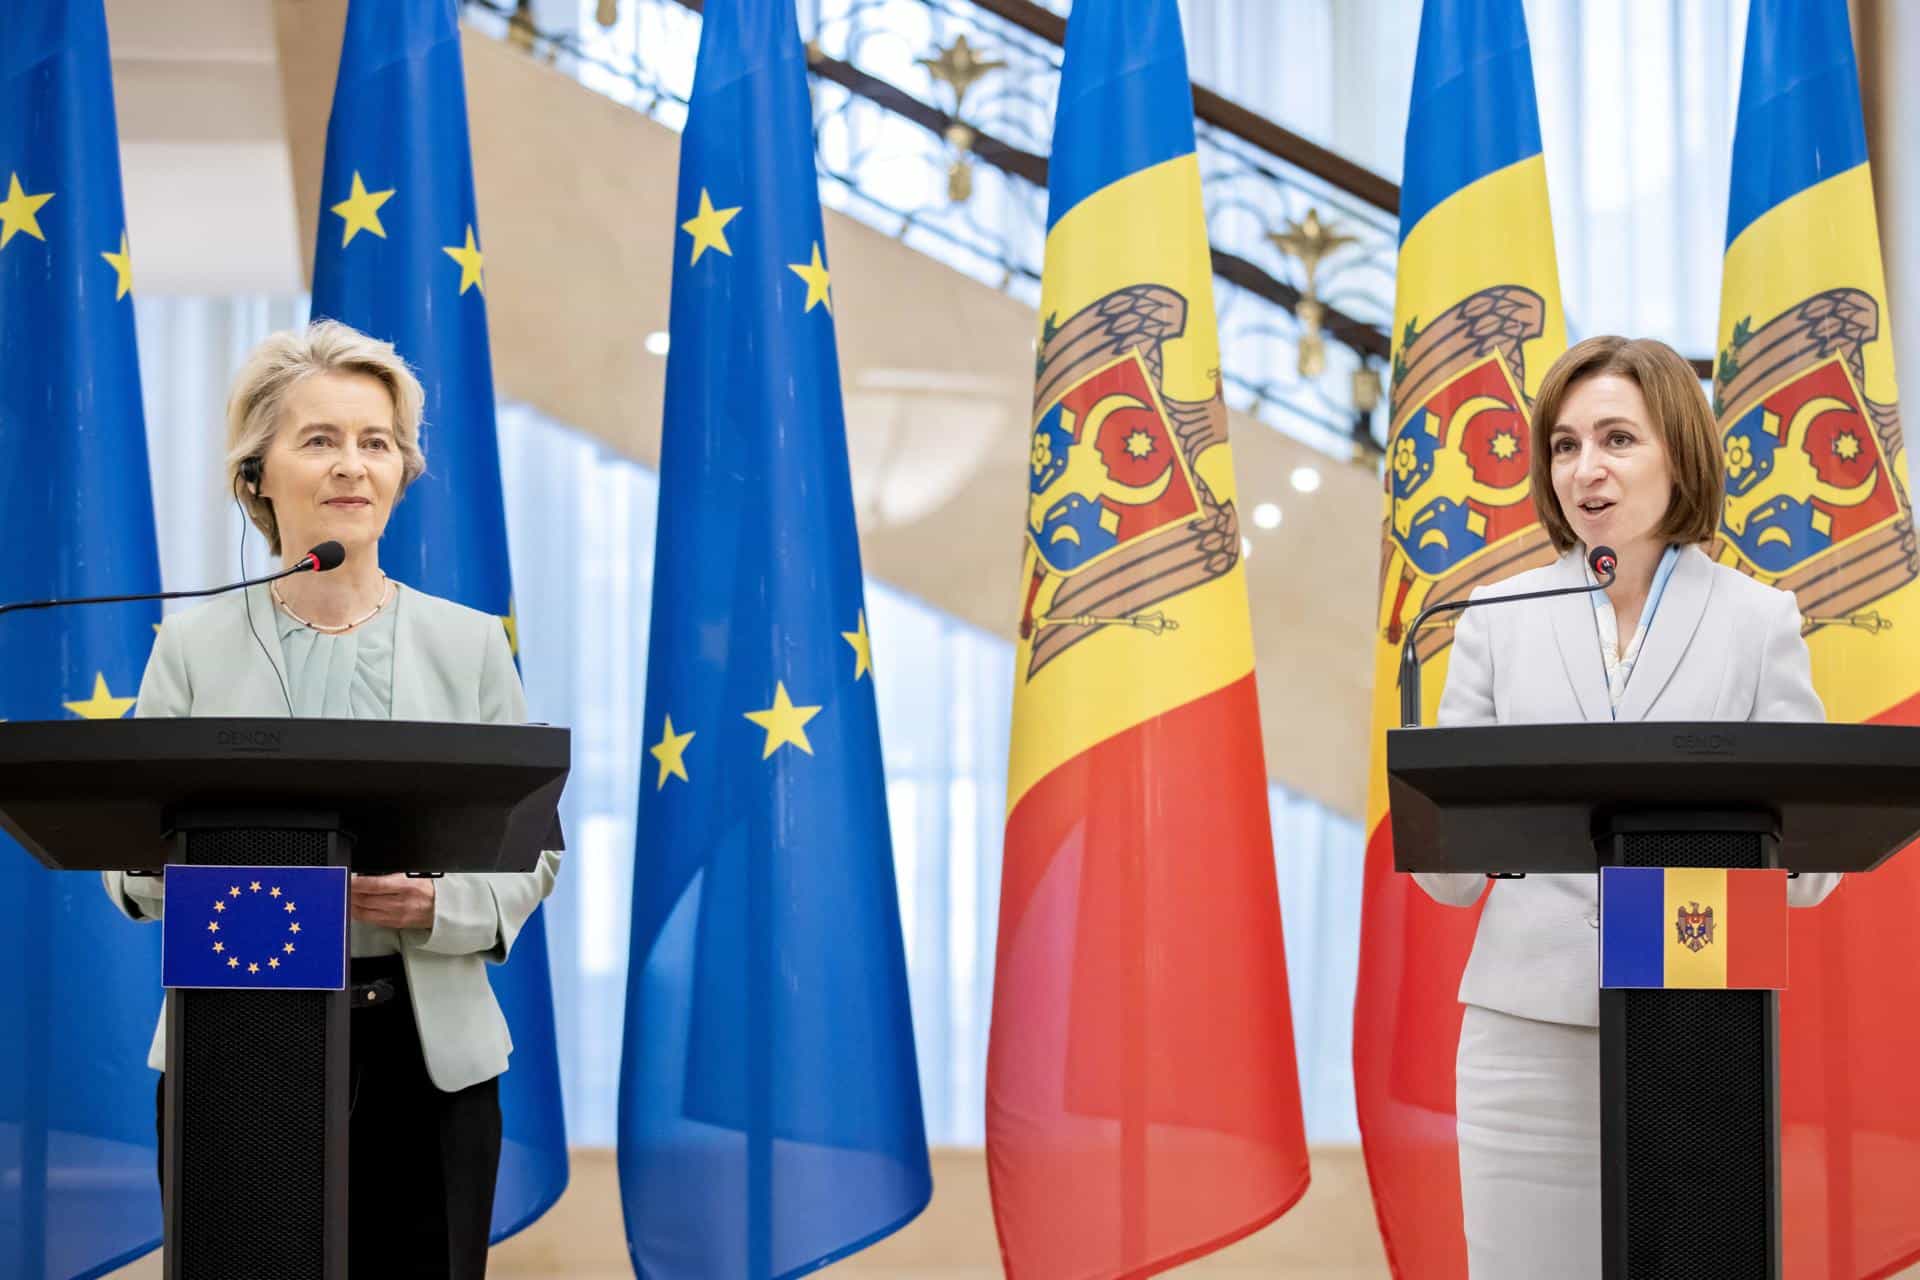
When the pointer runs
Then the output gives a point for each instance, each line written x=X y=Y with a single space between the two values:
x=1689 y=1086
x=257 y=1081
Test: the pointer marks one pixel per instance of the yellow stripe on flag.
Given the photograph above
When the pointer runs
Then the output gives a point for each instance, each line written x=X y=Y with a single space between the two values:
x=1145 y=230
x=1702 y=961
x=1787 y=263
x=1491 y=241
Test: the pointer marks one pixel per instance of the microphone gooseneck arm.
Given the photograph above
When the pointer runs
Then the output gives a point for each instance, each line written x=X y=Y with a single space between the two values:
x=1409 y=659
x=319 y=560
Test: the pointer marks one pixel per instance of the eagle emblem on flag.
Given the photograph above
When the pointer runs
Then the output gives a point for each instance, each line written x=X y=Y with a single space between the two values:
x=1118 y=518
x=1459 y=513
x=1694 y=926
x=1812 y=503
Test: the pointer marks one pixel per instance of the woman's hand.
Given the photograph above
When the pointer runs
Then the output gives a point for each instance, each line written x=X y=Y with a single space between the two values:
x=392 y=902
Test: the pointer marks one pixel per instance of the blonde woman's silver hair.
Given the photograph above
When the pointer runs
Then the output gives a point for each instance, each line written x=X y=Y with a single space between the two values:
x=276 y=366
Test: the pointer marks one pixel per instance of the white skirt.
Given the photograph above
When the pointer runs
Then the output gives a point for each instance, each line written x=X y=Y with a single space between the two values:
x=1528 y=1095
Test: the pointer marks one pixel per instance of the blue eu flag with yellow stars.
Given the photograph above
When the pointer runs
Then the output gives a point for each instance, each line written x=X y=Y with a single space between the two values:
x=770 y=1116
x=399 y=256
x=78 y=1194
x=255 y=928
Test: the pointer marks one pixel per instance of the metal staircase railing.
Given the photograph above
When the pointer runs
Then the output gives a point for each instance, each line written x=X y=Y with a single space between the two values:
x=932 y=121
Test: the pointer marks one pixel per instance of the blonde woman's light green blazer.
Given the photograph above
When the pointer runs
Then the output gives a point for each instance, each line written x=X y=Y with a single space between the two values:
x=450 y=663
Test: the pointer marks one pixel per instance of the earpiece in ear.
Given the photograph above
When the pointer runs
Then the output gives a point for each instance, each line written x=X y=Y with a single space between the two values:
x=250 y=472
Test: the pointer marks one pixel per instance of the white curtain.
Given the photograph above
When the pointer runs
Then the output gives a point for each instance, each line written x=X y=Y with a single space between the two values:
x=1637 y=107
x=1636 y=102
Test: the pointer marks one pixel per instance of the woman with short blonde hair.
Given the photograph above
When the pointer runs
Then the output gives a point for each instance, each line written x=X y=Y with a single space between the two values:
x=280 y=363
x=323 y=436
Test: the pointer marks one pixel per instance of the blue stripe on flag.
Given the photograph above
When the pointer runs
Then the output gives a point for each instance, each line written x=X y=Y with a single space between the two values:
x=1799 y=122
x=1473 y=64
x=1632 y=903
x=1125 y=101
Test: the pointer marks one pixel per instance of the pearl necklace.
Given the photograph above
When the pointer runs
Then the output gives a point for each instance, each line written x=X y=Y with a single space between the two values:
x=386 y=592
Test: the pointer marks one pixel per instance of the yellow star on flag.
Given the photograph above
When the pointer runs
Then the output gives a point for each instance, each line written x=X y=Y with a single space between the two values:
x=102 y=705
x=289 y=906
x=219 y=905
x=862 y=647
x=274 y=892
x=234 y=892
x=233 y=962
x=708 y=227
x=295 y=926
x=17 y=212
x=253 y=968
x=219 y=946
x=361 y=210
x=288 y=948
x=213 y=926
x=273 y=962
x=512 y=623
x=470 y=259
x=784 y=722
x=815 y=274
x=253 y=886
x=670 y=751
x=122 y=263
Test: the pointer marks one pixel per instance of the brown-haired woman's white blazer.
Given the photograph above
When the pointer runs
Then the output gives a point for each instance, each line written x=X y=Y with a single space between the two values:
x=1720 y=647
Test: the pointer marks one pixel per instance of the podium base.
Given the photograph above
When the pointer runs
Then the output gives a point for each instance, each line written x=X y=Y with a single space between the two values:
x=1689 y=1090
x=257 y=1105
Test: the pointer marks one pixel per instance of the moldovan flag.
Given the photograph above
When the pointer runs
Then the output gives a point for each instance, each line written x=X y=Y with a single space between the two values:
x=1809 y=419
x=1709 y=928
x=1142 y=1102
x=1477 y=320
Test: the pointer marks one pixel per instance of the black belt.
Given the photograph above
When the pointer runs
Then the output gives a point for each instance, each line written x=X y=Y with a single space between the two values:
x=376 y=980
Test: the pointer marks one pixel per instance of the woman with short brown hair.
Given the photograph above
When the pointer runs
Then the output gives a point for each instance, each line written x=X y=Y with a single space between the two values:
x=1625 y=455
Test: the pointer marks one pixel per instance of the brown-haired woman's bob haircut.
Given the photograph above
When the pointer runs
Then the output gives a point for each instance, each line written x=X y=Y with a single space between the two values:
x=284 y=359
x=1679 y=417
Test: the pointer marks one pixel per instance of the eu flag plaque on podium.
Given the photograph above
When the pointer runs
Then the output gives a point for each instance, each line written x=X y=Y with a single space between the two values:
x=1689 y=1065
x=257 y=825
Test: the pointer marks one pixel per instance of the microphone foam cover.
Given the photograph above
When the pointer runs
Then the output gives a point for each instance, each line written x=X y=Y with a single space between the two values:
x=328 y=555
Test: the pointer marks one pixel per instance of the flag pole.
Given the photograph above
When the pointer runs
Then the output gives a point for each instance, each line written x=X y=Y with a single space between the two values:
x=38 y=976
x=759 y=1055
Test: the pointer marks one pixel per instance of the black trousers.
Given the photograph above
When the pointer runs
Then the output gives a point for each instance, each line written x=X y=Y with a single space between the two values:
x=421 y=1163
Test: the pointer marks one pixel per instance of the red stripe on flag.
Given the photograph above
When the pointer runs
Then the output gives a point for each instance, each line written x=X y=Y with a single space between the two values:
x=1757 y=929
x=1142 y=1102
x=1849 y=1091
x=1406 y=1033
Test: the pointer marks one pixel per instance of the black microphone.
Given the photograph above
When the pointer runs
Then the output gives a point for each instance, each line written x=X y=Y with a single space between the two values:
x=327 y=555
x=1601 y=560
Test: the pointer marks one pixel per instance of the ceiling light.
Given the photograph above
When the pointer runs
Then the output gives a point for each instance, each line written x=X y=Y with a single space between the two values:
x=659 y=340
x=1306 y=479
x=1267 y=516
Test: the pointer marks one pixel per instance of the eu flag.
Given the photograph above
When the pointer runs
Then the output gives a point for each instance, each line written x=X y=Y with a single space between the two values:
x=78 y=1194
x=255 y=928
x=770 y=1115
x=398 y=256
